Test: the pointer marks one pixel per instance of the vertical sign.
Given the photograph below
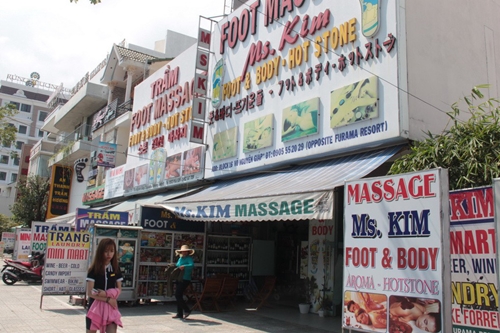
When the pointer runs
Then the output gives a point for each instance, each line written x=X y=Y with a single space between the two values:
x=60 y=187
x=200 y=86
x=321 y=250
x=396 y=255
x=66 y=263
x=473 y=252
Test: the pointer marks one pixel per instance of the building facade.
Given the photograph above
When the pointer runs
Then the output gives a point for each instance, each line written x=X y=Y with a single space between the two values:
x=29 y=96
x=278 y=104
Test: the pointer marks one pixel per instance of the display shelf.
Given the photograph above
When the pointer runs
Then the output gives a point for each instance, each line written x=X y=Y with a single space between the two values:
x=157 y=251
x=229 y=255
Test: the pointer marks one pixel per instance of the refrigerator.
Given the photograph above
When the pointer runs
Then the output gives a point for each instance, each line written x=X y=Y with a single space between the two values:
x=127 y=241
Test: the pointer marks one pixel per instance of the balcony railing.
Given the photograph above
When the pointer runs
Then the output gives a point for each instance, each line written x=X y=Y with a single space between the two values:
x=124 y=108
x=82 y=133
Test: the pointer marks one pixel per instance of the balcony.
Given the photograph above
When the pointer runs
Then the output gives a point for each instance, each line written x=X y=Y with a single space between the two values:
x=72 y=146
x=90 y=98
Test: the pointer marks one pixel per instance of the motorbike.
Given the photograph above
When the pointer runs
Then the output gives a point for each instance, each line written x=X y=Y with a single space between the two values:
x=14 y=271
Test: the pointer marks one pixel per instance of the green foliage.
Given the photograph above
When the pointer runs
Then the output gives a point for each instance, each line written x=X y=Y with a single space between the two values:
x=7 y=130
x=469 y=149
x=6 y=224
x=31 y=204
x=309 y=286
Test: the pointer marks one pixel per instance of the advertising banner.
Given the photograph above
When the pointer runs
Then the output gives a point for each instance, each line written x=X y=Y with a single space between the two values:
x=321 y=251
x=299 y=206
x=66 y=263
x=22 y=244
x=474 y=284
x=298 y=80
x=84 y=217
x=39 y=231
x=114 y=186
x=106 y=154
x=396 y=253
x=162 y=219
x=60 y=187
x=9 y=239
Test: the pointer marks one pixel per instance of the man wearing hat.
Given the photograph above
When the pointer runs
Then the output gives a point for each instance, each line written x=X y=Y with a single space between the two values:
x=185 y=264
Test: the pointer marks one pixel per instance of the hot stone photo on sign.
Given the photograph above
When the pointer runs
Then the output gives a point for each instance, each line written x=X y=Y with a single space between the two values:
x=353 y=103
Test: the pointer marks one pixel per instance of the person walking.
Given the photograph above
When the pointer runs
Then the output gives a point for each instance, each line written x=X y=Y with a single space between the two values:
x=104 y=284
x=185 y=264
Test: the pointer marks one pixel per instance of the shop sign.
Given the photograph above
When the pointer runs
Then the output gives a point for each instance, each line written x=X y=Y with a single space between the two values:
x=22 y=244
x=316 y=70
x=85 y=217
x=106 y=154
x=474 y=283
x=396 y=252
x=162 y=219
x=114 y=186
x=39 y=231
x=66 y=263
x=93 y=195
x=301 y=206
x=58 y=202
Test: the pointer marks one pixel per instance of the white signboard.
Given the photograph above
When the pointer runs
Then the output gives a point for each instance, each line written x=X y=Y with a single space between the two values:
x=66 y=263
x=39 y=232
x=114 y=186
x=396 y=254
x=326 y=71
x=22 y=244
x=473 y=261
x=9 y=239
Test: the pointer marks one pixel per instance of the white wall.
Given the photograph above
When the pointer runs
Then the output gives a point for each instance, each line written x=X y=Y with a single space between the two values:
x=452 y=45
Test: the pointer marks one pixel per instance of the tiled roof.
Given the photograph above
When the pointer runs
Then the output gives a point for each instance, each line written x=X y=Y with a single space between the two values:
x=127 y=54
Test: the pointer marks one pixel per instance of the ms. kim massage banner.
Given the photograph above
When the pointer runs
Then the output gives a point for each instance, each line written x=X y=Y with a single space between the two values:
x=300 y=206
x=396 y=254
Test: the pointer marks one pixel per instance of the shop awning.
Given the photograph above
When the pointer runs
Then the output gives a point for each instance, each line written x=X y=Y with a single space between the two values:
x=131 y=204
x=297 y=193
x=66 y=218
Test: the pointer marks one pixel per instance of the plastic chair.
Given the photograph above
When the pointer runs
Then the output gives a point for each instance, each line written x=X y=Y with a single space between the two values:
x=264 y=292
x=209 y=294
x=228 y=291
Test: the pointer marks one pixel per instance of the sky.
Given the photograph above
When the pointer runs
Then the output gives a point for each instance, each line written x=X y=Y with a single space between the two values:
x=62 y=41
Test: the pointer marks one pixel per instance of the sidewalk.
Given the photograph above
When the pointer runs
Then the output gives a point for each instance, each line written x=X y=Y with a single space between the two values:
x=20 y=313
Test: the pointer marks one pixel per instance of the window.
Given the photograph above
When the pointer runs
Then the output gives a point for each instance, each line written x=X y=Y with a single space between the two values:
x=13 y=177
x=25 y=108
x=17 y=105
x=42 y=115
x=22 y=129
x=16 y=161
x=4 y=159
x=19 y=145
x=40 y=133
x=3 y=175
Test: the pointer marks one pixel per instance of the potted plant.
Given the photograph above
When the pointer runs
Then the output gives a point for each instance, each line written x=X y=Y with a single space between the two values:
x=309 y=286
x=324 y=302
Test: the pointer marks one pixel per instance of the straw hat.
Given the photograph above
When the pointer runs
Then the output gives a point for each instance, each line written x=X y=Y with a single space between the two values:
x=185 y=248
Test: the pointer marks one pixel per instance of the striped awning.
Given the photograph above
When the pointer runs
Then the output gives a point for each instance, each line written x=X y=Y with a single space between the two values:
x=297 y=193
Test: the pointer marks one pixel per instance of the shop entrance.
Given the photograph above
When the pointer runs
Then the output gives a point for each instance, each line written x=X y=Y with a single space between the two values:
x=286 y=238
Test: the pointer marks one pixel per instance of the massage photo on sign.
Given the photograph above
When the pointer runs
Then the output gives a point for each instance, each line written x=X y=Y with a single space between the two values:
x=421 y=314
x=353 y=103
x=365 y=311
